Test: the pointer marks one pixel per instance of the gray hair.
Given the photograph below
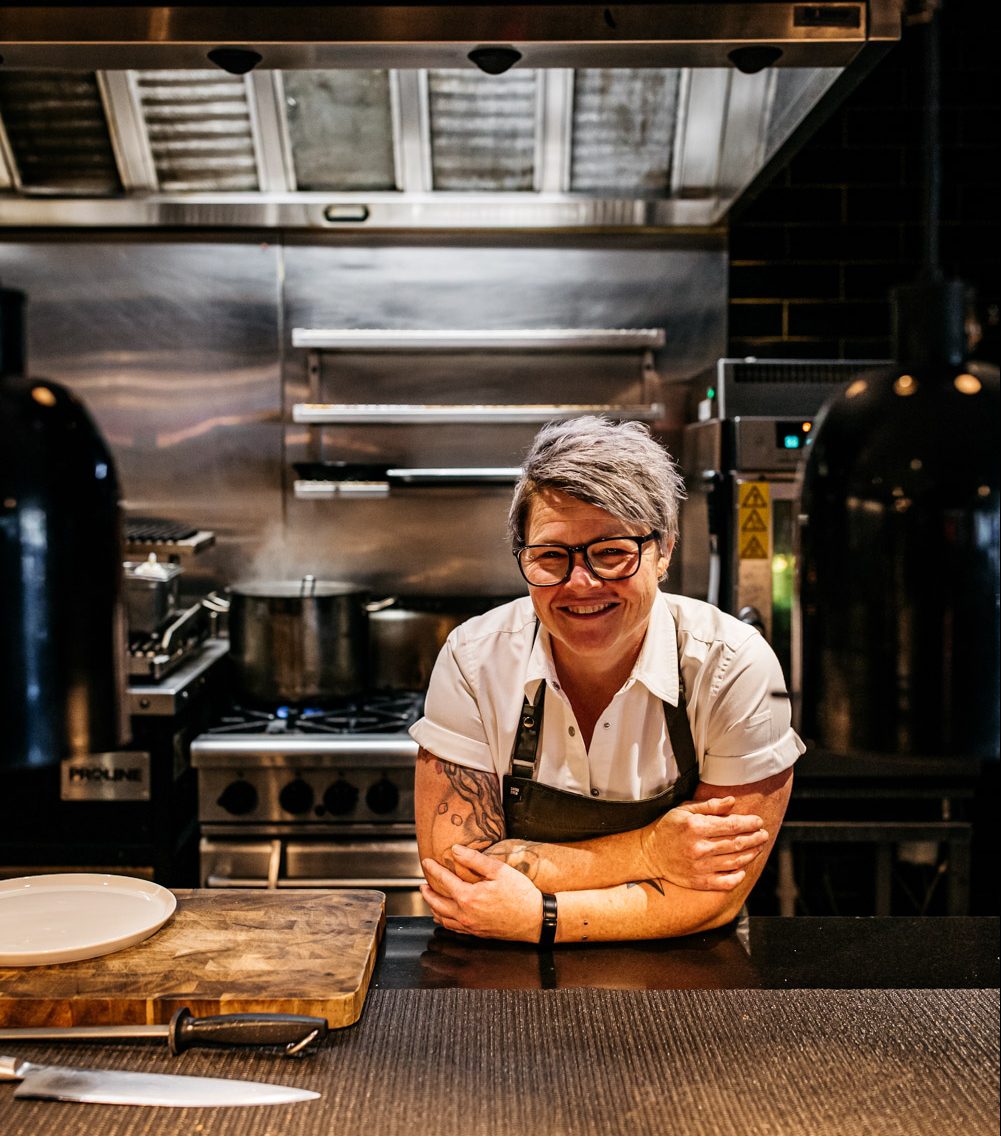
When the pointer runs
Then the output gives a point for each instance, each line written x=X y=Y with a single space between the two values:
x=617 y=466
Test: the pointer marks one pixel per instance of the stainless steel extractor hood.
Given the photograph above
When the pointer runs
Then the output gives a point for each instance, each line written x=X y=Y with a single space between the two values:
x=445 y=116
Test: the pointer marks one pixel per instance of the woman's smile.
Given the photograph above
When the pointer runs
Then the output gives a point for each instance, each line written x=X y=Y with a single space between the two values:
x=602 y=622
x=590 y=609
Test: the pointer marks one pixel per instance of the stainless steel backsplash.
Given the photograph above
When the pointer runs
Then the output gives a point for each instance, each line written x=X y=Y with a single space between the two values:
x=181 y=349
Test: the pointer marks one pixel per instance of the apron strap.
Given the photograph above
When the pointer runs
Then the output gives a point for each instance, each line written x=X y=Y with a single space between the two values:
x=526 y=743
x=525 y=753
x=679 y=730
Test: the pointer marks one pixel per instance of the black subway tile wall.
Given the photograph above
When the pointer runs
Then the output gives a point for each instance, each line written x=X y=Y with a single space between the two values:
x=814 y=254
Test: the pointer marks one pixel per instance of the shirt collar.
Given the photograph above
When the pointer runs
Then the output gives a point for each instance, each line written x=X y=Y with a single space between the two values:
x=541 y=667
x=656 y=667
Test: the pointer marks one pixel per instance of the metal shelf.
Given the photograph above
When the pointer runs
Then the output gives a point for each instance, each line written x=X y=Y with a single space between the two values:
x=315 y=413
x=506 y=339
x=321 y=413
x=323 y=488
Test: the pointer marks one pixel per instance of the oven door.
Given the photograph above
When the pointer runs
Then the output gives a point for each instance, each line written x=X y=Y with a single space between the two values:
x=390 y=865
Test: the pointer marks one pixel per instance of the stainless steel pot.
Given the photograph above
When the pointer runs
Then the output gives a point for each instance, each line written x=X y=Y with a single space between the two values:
x=299 y=641
x=407 y=636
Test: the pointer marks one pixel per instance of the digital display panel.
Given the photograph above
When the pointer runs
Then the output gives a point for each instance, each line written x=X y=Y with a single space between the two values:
x=794 y=434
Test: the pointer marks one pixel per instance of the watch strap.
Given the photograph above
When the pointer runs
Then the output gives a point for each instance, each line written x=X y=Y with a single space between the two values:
x=547 y=935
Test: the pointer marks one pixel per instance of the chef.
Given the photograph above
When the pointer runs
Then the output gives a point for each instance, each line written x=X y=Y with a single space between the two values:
x=600 y=759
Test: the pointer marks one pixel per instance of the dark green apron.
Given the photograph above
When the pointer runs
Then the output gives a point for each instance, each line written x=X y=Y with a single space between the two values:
x=533 y=811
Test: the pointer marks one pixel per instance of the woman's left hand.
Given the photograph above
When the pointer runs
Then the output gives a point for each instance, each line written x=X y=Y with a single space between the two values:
x=500 y=903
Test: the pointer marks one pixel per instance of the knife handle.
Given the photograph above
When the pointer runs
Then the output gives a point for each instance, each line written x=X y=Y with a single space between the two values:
x=295 y=1032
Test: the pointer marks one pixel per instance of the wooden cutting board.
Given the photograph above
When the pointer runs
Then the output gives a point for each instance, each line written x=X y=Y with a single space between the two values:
x=221 y=952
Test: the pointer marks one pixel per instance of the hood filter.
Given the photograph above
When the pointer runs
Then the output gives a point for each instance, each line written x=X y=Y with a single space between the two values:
x=199 y=129
x=57 y=133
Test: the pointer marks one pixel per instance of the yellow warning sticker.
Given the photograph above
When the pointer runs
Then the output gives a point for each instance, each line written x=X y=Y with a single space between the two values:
x=751 y=520
x=753 y=549
x=753 y=495
x=754 y=520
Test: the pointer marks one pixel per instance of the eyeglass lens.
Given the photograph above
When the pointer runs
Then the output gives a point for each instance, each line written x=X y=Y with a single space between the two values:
x=615 y=559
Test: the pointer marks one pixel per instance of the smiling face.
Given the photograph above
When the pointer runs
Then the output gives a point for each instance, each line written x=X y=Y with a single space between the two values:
x=592 y=622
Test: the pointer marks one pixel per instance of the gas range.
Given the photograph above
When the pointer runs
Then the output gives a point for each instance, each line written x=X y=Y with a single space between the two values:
x=310 y=769
x=315 y=797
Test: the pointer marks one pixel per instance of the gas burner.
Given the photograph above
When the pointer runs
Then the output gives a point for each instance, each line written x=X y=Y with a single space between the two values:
x=386 y=713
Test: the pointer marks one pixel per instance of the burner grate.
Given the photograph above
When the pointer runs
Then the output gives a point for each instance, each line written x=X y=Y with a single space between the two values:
x=389 y=713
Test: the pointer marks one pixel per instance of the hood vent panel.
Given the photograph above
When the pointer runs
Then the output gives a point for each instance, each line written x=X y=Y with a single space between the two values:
x=56 y=133
x=623 y=131
x=199 y=129
x=340 y=129
x=482 y=130
x=574 y=146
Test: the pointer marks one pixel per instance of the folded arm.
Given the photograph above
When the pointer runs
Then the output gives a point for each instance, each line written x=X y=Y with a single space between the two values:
x=688 y=871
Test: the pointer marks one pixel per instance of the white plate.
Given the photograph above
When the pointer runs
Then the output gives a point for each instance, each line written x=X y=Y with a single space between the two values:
x=71 y=916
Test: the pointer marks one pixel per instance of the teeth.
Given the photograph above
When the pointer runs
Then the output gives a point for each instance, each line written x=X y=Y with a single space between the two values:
x=588 y=610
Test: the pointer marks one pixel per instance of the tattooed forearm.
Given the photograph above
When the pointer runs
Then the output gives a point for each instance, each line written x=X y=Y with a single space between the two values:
x=525 y=857
x=470 y=805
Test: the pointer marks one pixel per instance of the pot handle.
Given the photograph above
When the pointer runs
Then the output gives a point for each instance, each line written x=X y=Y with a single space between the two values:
x=380 y=605
x=307 y=586
x=217 y=603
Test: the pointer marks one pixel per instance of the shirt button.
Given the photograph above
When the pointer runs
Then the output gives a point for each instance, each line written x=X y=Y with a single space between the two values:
x=605 y=725
x=572 y=732
x=595 y=793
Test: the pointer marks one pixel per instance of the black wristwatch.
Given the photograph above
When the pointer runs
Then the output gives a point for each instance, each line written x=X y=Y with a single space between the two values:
x=547 y=935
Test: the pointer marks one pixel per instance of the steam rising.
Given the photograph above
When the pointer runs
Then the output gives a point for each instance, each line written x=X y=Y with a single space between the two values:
x=285 y=555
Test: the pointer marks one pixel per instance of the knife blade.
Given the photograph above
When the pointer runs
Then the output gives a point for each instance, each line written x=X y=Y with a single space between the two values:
x=114 y=1086
x=296 y=1032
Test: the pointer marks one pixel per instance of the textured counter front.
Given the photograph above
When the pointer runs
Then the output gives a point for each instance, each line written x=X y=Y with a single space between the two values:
x=805 y=1027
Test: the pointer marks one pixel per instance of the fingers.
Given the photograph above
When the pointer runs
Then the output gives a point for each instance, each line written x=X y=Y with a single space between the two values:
x=737 y=824
x=468 y=866
x=719 y=881
x=443 y=881
x=486 y=866
x=715 y=855
x=724 y=864
x=717 y=815
x=728 y=846
x=446 y=912
x=715 y=806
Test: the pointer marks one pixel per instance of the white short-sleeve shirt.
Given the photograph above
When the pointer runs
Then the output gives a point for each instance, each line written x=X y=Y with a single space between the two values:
x=738 y=707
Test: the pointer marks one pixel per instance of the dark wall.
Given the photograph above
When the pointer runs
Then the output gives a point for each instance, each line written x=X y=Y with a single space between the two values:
x=815 y=252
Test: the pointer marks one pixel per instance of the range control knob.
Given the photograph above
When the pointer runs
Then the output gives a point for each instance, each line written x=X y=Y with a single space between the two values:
x=340 y=798
x=383 y=796
x=296 y=797
x=238 y=798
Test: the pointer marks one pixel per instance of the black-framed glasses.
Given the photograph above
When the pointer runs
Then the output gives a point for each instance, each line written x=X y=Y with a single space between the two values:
x=611 y=558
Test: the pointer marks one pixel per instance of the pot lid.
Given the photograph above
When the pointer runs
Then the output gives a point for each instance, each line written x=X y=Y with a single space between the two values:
x=307 y=587
x=151 y=569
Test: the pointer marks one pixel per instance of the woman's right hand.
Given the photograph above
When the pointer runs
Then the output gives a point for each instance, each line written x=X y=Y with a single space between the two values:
x=703 y=845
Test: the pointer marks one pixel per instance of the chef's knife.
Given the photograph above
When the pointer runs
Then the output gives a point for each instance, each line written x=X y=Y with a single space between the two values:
x=295 y=1032
x=112 y=1086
